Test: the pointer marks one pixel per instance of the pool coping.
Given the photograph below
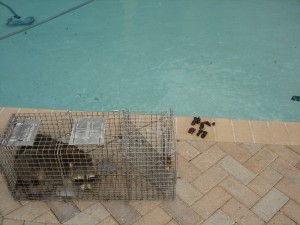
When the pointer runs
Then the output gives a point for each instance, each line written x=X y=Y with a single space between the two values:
x=225 y=130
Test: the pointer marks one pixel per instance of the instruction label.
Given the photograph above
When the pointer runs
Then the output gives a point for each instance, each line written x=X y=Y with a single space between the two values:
x=24 y=133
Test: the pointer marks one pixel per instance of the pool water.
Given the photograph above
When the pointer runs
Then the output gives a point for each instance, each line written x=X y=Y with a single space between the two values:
x=231 y=59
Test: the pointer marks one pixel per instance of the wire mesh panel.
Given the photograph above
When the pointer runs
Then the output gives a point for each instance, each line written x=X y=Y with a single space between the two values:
x=89 y=155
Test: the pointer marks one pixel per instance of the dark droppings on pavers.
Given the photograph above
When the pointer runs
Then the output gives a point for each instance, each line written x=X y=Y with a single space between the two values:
x=196 y=120
x=204 y=133
x=192 y=130
x=202 y=125
x=201 y=131
x=207 y=123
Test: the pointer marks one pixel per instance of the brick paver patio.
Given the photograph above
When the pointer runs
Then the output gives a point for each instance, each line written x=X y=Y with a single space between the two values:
x=218 y=183
x=243 y=172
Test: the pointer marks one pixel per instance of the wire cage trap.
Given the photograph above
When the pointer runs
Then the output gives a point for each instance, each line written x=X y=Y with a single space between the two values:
x=89 y=155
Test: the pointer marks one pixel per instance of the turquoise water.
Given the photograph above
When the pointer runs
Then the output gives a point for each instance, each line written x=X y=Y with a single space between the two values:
x=230 y=58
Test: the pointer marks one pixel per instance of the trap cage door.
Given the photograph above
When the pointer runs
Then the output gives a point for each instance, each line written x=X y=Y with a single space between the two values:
x=29 y=153
x=148 y=145
x=22 y=133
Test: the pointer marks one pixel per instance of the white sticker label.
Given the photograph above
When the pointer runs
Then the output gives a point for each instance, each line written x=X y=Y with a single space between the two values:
x=24 y=133
x=88 y=131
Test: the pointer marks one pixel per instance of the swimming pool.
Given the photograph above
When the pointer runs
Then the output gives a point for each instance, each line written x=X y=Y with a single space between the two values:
x=231 y=59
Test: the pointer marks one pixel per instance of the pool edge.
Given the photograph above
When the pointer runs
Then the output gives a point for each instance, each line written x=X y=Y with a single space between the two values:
x=226 y=130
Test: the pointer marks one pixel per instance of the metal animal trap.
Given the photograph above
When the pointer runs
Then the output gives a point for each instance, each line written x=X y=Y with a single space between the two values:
x=89 y=155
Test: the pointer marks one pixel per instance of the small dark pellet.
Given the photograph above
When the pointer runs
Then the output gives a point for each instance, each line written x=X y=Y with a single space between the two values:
x=201 y=126
x=199 y=132
x=196 y=120
x=204 y=133
x=207 y=123
x=191 y=130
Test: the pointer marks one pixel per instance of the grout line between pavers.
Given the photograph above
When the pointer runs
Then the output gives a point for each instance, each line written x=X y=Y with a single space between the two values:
x=13 y=210
x=270 y=132
x=256 y=174
x=268 y=166
x=288 y=146
x=233 y=131
x=115 y=217
x=284 y=213
x=261 y=197
x=112 y=215
x=54 y=213
x=259 y=216
x=201 y=173
x=273 y=186
x=162 y=210
x=49 y=209
x=251 y=130
x=45 y=213
x=172 y=218
x=219 y=186
x=288 y=132
x=195 y=149
x=279 y=179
